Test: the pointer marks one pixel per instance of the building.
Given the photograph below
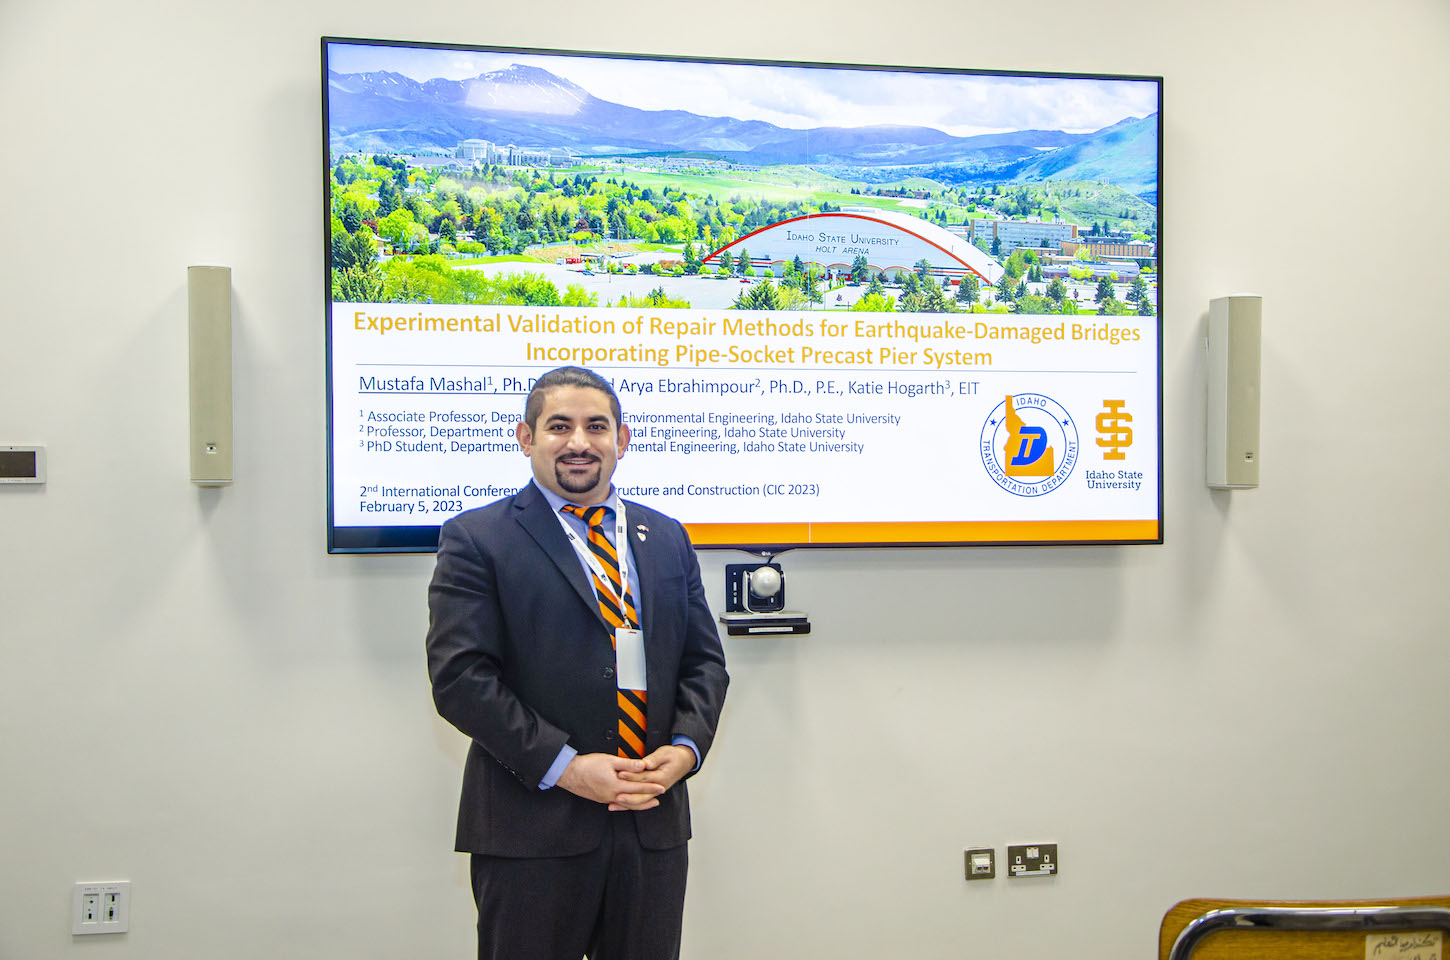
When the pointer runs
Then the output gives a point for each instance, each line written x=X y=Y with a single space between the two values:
x=1124 y=269
x=1112 y=247
x=891 y=242
x=512 y=155
x=1020 y=233
x=474 y=150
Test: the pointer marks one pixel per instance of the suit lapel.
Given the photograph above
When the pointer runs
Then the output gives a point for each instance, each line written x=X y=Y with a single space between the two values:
x=535 y=516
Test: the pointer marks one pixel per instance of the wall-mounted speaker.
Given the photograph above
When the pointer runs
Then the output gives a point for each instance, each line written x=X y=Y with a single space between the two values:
x=1234 y=329
x=209 y=309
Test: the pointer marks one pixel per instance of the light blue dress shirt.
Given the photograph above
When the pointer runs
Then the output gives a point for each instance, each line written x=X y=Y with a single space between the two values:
x=578 y=525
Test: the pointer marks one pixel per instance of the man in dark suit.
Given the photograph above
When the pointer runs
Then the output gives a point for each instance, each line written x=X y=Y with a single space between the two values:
x=590 y=676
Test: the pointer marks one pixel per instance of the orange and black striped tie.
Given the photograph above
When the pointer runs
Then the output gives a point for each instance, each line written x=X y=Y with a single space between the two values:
x=631 y=702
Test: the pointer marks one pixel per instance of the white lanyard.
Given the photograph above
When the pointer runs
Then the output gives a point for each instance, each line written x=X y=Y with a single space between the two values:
x=621 y=550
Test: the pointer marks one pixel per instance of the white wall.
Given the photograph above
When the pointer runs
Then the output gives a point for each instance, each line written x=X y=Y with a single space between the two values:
x=194 y=696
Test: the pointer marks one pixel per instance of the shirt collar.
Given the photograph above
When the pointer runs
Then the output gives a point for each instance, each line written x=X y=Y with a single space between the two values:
x=556 y=502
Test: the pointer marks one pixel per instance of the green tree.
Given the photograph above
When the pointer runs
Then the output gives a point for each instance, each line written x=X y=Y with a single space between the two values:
x=759 y=296
x=1056 y=290
x=809 y=284
x=860 y=267
x=530 y=289
x=875 y=303
x=358 y=250
x=934 y=301
x=577 y=296
x=742 y=262
x=656 y=298
x=1138 y=291
x=1104 y=291
x=351 y=218
x=387 y=198
x=923 y=268
x=727 y=263
x=1034 y=305
x=1005 y=288
x=969 y=289
x=357 y=285
x=400 y=229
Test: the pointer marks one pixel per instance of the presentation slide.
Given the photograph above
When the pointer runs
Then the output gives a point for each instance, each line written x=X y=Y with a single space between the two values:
x=840 y=304
x=777 y=429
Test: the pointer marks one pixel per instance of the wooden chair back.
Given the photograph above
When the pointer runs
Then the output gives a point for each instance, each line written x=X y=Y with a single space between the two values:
x=1410 y=928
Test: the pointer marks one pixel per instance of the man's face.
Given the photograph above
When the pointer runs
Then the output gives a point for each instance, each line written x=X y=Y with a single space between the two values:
x=575 y=444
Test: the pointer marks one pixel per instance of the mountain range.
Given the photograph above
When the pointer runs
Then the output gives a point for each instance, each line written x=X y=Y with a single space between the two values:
x=529 y=106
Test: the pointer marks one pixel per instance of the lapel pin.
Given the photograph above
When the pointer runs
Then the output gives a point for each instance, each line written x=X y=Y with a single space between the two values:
x=640 y=530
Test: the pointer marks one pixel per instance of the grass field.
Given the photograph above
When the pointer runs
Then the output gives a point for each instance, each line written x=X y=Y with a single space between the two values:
x=782 y=185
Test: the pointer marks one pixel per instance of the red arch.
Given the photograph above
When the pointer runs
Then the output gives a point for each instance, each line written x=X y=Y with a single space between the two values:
x=853 y=216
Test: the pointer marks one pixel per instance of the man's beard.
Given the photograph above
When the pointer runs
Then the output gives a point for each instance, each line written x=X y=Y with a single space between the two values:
x=576 y=482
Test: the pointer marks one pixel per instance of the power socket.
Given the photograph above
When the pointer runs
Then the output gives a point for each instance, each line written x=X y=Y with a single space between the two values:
x=1032 y=860
x=101 y=907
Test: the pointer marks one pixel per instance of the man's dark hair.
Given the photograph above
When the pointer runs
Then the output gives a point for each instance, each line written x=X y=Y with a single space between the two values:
x=568 y=377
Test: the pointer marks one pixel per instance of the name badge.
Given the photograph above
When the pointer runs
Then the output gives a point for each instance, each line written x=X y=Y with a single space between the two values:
x=629 y=659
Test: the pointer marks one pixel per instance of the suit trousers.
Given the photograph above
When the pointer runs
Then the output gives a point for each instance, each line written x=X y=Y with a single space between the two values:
x=619 y=901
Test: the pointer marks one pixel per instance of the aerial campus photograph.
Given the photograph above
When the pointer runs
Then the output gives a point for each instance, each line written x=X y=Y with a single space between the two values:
x=473 y=176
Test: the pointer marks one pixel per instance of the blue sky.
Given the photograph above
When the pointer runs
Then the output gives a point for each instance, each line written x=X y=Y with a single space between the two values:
x=798 y=97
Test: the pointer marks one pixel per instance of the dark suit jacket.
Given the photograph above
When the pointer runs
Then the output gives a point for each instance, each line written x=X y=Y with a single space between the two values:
x=521 y=662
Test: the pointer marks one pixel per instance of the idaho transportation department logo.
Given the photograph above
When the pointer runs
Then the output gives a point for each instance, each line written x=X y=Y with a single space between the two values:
x=1029 y=444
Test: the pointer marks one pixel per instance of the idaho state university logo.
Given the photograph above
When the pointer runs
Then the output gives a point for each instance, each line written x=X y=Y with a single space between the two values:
x=1029 y=444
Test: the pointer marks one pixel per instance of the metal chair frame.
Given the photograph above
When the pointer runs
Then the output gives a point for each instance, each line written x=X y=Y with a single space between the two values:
x=1308 y=918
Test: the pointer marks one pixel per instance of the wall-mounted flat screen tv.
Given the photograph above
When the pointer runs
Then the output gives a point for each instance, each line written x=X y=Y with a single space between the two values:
x=842 y=305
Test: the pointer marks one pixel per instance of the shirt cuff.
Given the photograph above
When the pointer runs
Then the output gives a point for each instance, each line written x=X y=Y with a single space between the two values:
x=680 y=740
x=566 y=753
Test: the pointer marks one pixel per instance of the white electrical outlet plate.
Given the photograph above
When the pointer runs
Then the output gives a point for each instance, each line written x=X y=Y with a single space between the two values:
x=102 y=906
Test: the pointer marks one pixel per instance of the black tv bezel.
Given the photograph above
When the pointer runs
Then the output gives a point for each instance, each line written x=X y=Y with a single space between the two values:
x=424 y=539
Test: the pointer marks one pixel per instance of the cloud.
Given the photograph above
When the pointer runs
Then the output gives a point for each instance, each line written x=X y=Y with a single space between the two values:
x=960 y=104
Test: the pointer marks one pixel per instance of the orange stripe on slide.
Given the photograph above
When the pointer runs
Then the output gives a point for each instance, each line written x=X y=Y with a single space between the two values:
x=769 y=533
x=924 y=532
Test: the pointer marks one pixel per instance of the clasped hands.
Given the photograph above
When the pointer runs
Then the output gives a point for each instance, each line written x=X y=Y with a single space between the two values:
x=627 y=784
